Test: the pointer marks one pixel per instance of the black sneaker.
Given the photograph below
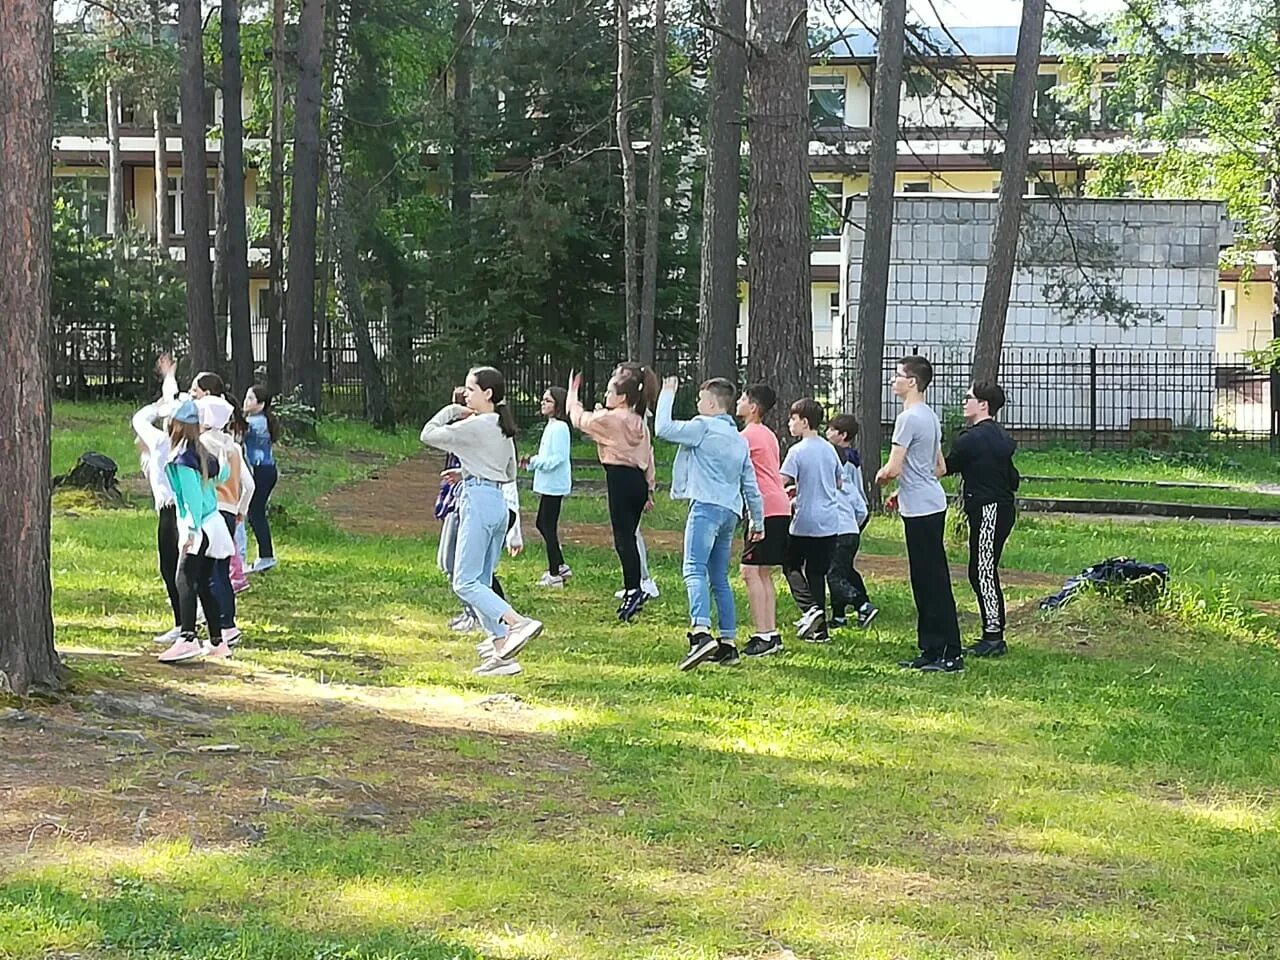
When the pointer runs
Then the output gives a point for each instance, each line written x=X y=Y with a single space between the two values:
x=631 y=605
x=919 y=663
x=727 y=654
x=866 y=613
x=762 y=646
x=988 y=648
x=702 y=647
x=944 y=665
x=820 y=635
x=837 y=621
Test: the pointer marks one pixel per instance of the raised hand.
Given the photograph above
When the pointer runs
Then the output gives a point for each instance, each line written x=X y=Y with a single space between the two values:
x=671 y=383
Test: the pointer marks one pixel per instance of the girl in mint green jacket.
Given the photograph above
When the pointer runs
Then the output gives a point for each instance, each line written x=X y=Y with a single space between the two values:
x=193 y=473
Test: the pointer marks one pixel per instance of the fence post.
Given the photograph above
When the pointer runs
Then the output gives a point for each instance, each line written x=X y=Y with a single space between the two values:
x=1093 y=397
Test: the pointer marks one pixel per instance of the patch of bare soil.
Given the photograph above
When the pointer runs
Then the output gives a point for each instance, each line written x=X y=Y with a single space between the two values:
x=398 y=501
x=158 y=754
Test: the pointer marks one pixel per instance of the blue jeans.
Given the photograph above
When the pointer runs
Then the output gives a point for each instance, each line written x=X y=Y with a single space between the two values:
x=708 y=544
x=482 y=528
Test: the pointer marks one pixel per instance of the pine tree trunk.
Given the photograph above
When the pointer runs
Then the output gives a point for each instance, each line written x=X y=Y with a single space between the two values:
x=275 y=281
x=220 y=253
x=242 y=363
x=163 y=228
x=115 y=165
x=463 y=34
x=300 y=368
x=878 y=239
x=1013 y=185
x=28 y=660
x=201 y=332
x=350 y=298
x=622 y=126
x=653 y=192
x=718 y=293
x=781 y=330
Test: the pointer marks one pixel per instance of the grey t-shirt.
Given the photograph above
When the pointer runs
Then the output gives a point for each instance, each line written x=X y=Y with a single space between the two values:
x=814 y=465
x=919 y=492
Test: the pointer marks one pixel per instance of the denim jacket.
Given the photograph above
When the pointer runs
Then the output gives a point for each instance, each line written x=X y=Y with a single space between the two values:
x=713 y=464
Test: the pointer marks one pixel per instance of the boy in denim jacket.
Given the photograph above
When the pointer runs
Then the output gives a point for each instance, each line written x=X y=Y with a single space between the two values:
x=713 y=471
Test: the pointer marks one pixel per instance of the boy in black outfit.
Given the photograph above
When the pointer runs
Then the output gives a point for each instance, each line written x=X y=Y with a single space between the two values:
x=983 y=456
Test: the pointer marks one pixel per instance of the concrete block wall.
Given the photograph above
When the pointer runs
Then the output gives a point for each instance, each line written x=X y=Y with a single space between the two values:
x=1161 y=256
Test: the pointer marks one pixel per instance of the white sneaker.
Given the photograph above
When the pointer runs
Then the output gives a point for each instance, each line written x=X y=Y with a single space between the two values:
x=619 y=594
x=263 y=563
x=498 y=668
x=565 y=572
x=805 y=623
x=547 y=580
x=169 y=636
x=487 y=648
x=517 y=638
x=231 y=636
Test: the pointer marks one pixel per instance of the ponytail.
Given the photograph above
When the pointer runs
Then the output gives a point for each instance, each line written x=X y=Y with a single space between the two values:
x=506 y=419
x=638 y=385
x=487 y=378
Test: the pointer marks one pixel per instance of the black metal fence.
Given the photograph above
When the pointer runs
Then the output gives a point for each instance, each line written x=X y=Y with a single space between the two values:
x=1097 y=396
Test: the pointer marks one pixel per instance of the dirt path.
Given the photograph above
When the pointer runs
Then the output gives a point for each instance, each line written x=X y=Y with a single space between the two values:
x=398 y=501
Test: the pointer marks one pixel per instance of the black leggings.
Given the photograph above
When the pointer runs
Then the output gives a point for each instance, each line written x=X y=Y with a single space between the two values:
x=807 y=561
x=989 y=528
x=195 y=577
x=937 y=630
x=847 y=588
x=628 y=493
x=549 y=526
x=167 y=551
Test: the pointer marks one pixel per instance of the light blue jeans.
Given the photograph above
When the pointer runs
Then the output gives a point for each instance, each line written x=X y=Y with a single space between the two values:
x=482 y=529
x=708 y=543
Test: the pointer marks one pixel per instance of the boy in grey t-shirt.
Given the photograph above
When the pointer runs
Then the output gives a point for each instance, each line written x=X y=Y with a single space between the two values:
x=813 y=467
x=916 y=462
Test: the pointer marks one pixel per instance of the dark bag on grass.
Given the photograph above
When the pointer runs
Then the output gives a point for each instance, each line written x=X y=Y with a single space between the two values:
x=1131 y=580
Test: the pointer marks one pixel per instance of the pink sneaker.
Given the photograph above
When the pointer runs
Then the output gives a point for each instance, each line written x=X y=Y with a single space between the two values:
x=240 y=586
x=219 y=652
x=185 y=648
x=231 y=636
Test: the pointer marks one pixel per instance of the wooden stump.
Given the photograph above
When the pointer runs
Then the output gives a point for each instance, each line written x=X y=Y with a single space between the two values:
x=93 y=471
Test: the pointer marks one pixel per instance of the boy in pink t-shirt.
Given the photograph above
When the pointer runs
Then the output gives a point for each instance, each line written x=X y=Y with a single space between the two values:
x=759 y=559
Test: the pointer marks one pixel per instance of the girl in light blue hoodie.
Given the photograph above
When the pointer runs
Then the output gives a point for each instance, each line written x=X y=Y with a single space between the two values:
x=552 y=481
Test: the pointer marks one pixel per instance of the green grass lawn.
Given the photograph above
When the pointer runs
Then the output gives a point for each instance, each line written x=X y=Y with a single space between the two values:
x=1109 y=790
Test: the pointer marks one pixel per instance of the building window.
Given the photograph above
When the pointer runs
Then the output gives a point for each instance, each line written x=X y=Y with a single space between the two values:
x=1042 y=188
x=1111 y=110
x=1004 y=98
x=87 y=196
x=826 y=100
x=828 y=200
x=834 y=309
x=916 y=186
x=175 y=202
x=1226 y=309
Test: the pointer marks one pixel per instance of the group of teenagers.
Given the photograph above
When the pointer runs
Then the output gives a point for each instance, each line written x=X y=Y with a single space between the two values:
x=211 y=466
x=804 y=513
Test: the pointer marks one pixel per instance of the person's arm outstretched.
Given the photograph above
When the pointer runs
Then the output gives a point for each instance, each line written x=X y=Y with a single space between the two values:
x=687 y=433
